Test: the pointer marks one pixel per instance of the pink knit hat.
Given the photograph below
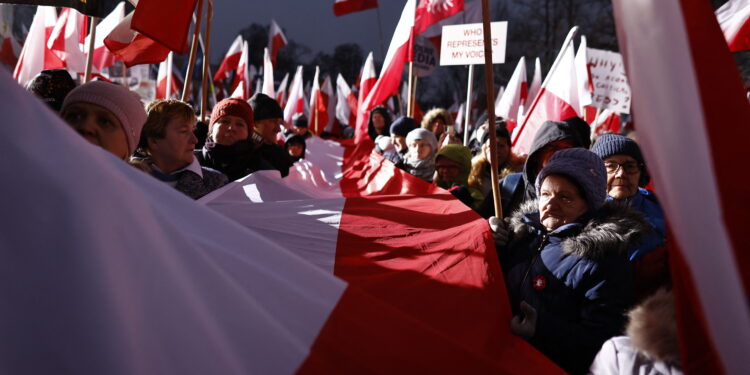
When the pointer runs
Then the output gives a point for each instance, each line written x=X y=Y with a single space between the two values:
x=123 y=103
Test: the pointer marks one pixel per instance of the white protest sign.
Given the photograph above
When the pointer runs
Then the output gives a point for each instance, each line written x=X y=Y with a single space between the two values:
x=464 y=44
x=611 y=89
x=425 y=56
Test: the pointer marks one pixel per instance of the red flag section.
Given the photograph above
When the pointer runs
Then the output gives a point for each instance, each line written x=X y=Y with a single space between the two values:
x=430 y=12
x=64 y=41
x=734 y=17
x=342 y=7
x=367 y=80
x=677 y=62
x=165 y=21
x=276 y=40
x=134 y=48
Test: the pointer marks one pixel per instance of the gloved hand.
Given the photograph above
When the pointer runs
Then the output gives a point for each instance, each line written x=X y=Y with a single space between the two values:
x=524 y=325
x=499 y=232
x=385 y=143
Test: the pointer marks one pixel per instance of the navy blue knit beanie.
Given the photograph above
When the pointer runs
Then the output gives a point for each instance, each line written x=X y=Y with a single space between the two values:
x=582 y=166
x=615 y=144
x=403 y=125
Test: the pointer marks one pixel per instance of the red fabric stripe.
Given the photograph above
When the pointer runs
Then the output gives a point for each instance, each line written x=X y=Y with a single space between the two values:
x=142 y=50
x=171 y=31
x=341 y=8
x=741 y=40
x=548 y=106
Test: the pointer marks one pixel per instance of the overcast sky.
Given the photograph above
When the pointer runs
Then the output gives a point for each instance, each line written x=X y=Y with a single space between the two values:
x=309 y=22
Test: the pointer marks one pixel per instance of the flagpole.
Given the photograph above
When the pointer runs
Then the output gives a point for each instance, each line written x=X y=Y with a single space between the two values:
x=488 y=74
x=90 y=56
x=316 y=113
x=411 y=76
x=204 y=85
x=193 y=51
x=468 y=105
x=413 y=103
x=168 y=91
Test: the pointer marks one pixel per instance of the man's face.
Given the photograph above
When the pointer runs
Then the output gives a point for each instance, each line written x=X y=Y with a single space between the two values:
x=447 y=169
x=268 y=129
x=399 y=142
x=378 y=122
x=623 y=174
x=99 y=126
x=175 y=150
x=228 y=130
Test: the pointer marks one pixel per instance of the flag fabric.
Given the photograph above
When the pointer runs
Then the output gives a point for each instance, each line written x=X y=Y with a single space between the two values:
x=281 y=93
x=326 y=91
x=606 y=122
x=268 y=83
x=690 y=136
x=243 y=79
x=346 y=106
x=103 y=57
x=472 y=13
x=94 y=8
x=296 y=101
x=132 y=47
x=342 y=7
x=557 y=99
x=430 y=12
x=9 y=48
x=318 y=106
x=139 y=283
x=535 y=86
x=35 y=55
x=276 y=40
x=733 y=18
x=367 y=80
x=583 y=76
x=510 y=105
x=231 y=60
x=162 y=82
x=150 y=19
x=65 y=40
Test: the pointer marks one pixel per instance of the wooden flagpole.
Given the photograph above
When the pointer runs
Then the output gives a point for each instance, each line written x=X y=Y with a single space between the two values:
x=90 y=56
x=206 y=45
x=413 y=103
x=467 y=124
x=168 y=90
x=488 y=74
x=193 y=52
x=411 y=77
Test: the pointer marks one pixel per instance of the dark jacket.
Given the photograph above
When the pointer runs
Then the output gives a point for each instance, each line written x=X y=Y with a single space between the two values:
x=235 y=161
x=386 y=129
x=577 y=277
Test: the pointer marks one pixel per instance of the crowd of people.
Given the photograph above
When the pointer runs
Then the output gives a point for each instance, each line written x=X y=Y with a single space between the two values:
x=581 y=241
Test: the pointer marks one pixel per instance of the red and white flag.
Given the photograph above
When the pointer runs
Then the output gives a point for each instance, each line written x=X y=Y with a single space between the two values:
x=510 y=105
x=276 y=40
x=535 y=86
x=243 y=79
x=606 y=122
x=296 y=102
x=35 y=55
x=268 y=83
x=367 y=80
x=231 y=60
x=103 y=57
x=472 y=13
x=583 y=75
x=342 y=7
x=165 y=21
x=318 y=106
x=132 y=47
x=167 y=88
x=281 y=92
x=557 y=99
x=346 y=106
x=733 y=18
x=430 y=12
x=326 y=90
x=65 y=39
x=690 y=110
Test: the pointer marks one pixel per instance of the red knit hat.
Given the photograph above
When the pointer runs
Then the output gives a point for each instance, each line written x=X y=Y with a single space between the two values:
x=232 y=107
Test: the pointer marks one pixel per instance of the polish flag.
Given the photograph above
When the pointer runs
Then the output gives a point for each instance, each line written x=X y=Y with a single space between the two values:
x=367 y=80
x=165 y=21
x=231 y=60
x=267 y=87
x=511 y=103
x=162 y=82
x=65 y=39
x=276 y=40
x=281 y=92
x=243 y=80
x=326 y=91
x=535 y=86
x=347 y=103
x=690 y=109
x=342 y=7
x=35 y=55
x=733 y=18
x=430 y=12
x=583 y=75
x=103 y=57
x=296 y=101
x=557 y=99
x=472 y=13
x=132 y=47
x=606 y=122
x=318 y=106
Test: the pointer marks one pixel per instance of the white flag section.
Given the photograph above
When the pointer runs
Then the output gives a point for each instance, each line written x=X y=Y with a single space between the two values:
x=296 y=101
x=268 y=83
x=510 y=104
x=116 y=272
x=535 y=85
x=33 y=58
x=733 y=18
x=583 y=76
x=64 y=41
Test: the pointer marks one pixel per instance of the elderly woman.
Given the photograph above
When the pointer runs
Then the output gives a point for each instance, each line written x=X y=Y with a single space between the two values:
x=565 y=265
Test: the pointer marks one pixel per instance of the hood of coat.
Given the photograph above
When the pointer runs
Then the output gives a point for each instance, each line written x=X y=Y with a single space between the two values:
x=653 y=327
x=613 y=228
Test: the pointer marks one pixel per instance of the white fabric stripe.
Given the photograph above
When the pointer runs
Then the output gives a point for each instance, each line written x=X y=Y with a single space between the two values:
x=670 y=119
x=731 y=16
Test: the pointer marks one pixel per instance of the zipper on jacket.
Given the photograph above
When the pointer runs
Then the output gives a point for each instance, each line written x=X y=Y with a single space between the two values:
x=533 y=260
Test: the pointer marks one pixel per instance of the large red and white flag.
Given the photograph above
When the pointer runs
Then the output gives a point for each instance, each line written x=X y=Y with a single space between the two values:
x=167 y=88
x=35 y=55
x=690 y=109
x=583 y=75
x=103 y=57
x=132 y=47
x=557 y=99
x=165 y=21
x=165 y=278
x=231 y=60
x=276 y=40
x=733 y=18
x=510 y=105
x=268 y=83
x=535 y=86
x=65 y=39
x=346 y=106
x=281 y=92
x=296 y=102
x=367 y=80
x=342 y=7
x=241 y=86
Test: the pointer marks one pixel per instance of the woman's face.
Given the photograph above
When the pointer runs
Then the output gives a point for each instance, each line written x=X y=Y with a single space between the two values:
x=503 y=150
x=228 y=130
x=99 y=126
x=623 y=174
x=437 y=126
x=378 y=122
x=560 y=202
x=420 y=149
x=175 y=150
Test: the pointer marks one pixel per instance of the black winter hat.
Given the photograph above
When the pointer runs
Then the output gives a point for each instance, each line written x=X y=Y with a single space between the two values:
x=52 y=86
x=501 y=131
x=403 y=125
x=582 y=130
x=265 y=107
x=615 y=144
x=299 y=120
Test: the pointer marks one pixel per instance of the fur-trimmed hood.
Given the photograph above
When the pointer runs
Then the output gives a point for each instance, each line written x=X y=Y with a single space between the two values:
x=613 y=228
x=653 y=327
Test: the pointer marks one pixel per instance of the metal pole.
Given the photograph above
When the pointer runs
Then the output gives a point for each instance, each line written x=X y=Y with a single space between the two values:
x=204 y=85
x=468 y=105
x=90 y=57
x=491 y=106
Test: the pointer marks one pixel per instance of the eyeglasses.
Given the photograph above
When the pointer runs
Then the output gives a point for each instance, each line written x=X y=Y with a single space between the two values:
x=628 y=167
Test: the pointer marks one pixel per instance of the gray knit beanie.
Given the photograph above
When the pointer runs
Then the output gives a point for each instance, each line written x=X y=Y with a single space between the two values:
x=585 y=168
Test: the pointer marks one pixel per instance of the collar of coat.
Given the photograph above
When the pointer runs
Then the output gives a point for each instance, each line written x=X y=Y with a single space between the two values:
x=612 y=229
